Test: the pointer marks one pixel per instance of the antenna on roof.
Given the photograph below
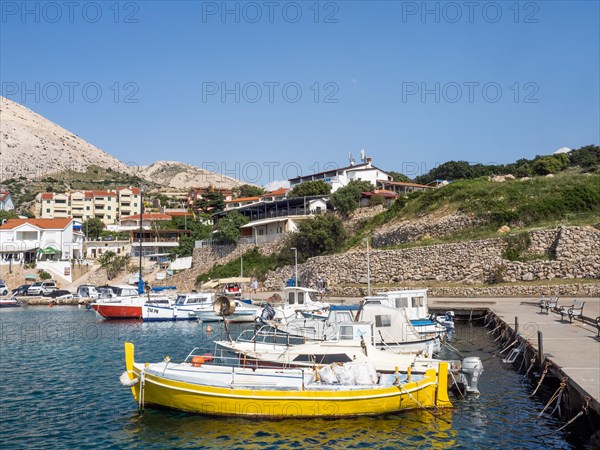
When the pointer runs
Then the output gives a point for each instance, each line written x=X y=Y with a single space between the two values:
x=351 y=159
x=363 y=156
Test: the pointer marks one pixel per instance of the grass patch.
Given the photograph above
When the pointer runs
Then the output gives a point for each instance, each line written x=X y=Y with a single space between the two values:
x=255 y=265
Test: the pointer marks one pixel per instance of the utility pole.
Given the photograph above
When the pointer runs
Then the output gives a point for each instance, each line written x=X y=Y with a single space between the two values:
x=140 y=280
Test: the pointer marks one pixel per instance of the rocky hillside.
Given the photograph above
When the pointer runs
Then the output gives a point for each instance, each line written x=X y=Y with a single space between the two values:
x=176 y=175
x=35 y=148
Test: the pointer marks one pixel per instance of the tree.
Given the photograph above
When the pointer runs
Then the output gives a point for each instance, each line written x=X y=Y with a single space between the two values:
x=318 y=236
x=211 y=201
x=92 y=228
x=309 y=188
x=228 y=228
x=113 y=263
x=545 y=165
x=397 y=176
x=7 y=215
x=248 y=190
x=346 y=199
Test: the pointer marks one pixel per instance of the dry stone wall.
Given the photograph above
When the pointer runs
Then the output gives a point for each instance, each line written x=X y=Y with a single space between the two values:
x=410 y=230
x=576 y=250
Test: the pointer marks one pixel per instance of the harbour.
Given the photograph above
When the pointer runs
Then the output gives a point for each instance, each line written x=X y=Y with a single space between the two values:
x=72 y=359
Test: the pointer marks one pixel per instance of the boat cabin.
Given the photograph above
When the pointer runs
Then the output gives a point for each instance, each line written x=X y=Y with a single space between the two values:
x=413 y=301
x=195 y=299
x=299 y=296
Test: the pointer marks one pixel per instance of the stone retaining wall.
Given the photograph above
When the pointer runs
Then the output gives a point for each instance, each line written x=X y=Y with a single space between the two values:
x=577 y=253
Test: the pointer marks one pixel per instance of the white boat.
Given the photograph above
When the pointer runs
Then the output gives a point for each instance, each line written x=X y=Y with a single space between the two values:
x=11 y=302
x=298 y=300
x=391 y=327
x=414 y=304
x=353 y=343
x=184 y=307
x=244 y=312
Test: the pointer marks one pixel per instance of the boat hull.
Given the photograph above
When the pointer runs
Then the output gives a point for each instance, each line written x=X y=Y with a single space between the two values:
x=118 y=312
x=428 y=392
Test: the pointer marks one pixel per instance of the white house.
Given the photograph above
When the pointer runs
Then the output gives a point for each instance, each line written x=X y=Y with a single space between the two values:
x=27 y=240
x=340 y=177
x=6 y=203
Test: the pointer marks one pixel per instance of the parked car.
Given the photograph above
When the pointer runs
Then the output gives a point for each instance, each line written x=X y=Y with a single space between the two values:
x=59 y=294
x=3 y=289
x=42 y=287
x=21 y=290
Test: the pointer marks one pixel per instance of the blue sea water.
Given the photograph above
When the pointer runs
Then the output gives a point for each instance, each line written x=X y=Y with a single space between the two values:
x=59 y=388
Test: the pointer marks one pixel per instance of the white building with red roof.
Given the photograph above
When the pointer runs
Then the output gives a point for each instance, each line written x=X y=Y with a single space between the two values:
x=28 y=240
x=6 y=202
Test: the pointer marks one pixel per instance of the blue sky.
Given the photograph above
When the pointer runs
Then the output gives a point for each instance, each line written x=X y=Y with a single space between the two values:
x=414 y=84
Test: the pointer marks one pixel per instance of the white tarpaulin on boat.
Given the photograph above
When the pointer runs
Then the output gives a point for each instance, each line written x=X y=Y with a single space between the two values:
x=214 y=283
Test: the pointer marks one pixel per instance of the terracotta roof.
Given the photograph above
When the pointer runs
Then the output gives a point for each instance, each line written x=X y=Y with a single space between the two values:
x=243 y=199
x=401 y=183
x=280 y=191
x=3 y=195
x=148 y=216
x=380 y=192
x=47 y=196
x=179 y=214
x=133 y=190
x=103 y=194
x=47 y=224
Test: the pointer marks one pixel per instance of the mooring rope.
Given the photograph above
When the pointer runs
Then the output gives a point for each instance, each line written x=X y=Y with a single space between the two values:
x=492 y=332
x=557 y=394
x=584 y=408
x=532 y=363
x=516 y=341
x=546 y=367
x=456 y=384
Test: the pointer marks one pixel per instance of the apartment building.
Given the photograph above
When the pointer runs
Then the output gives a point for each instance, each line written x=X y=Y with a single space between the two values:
x=108 y=206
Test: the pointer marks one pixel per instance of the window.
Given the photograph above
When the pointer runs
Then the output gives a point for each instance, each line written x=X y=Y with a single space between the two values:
x=346 y=333
x=301 y=298
x=292 y=298
x=109 y=207
x=401 y=302
x=383 y=321
x=48 y=210
x=417 y=302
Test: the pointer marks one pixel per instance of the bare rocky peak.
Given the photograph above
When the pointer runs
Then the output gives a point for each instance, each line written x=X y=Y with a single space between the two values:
x=34 y=147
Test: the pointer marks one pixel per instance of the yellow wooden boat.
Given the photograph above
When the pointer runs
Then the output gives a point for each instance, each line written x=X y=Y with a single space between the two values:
x=199 y=385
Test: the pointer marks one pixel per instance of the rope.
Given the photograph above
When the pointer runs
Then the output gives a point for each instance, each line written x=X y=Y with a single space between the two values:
x=422 y=407
x=584 y=408
x=502 y=335
x=492 y=332
x=456 y=384
x=516 y=341
x=557 y=394
x=546 y=367
x=532 y=364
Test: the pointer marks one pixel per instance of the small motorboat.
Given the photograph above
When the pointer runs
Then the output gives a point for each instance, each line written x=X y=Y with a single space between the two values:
x=11 y=302
x=205 y=385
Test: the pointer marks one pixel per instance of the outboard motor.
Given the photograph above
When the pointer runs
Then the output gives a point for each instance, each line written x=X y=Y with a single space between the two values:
x=471 y=369
x=268 y=313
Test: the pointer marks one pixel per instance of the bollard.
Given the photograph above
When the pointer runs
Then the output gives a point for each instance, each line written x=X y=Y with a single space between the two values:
x=541 y=348
x=516 y=325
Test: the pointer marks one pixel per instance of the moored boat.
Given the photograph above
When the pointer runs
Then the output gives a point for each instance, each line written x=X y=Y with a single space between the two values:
x=126 y=308
x=243 y=313
x=184 y=307
x=200 y=385
x=11 y=302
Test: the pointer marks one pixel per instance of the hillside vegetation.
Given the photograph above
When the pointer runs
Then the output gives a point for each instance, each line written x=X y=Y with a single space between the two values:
x=564 y=199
